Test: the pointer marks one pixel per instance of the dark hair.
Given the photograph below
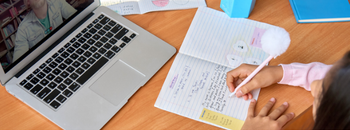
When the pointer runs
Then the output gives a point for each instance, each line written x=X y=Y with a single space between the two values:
x=334 y=106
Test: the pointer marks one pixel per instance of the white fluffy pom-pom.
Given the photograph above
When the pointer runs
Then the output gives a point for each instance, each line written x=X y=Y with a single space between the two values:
x=275 y=41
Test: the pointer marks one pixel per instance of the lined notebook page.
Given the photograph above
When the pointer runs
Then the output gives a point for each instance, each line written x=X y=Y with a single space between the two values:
x=214 y=45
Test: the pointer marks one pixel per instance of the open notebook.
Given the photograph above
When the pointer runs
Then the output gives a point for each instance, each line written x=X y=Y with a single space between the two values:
x=196 y=83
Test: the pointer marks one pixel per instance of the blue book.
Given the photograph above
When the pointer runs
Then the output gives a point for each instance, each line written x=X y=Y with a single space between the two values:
x=317 y=11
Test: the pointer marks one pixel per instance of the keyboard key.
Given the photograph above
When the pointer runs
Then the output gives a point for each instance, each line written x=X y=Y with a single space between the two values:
x=68 y=61
x=105 y=20
x=76 y=45
x=121 y=33
x=70 y=49
x=36 y=71
x=109 y=35
x=126 y=39
x=73 y=40
x=101 y=16
x=53 y=64
x=93 y=49
x=116 y=28
x=82 y=40
x=74 y=76
x=56 y=71
x=74 y=56
x=61 y=50
x=81 y=59
x=42 y=66
x=96 y=55
x=104 y=39
x=61 y=87
x=59 y=59
x=113 y=41
x=96 y=37
x=80 y=70
x=91 y=60
x=67 y=93
x=70 y=69
x=34 y=80
x=112 y=23
x=92 y=30
x=91 y=41
x=64 y=74
x=58 y=79
x=74 y=87
x=87 y=35
x=65 y=54
x=43 y=93
x=132 y=35
x=28 y=86
x=50 y=77
x=115 y=49
x=47 y=70
x=23 y=82
x=107 y=46
x=85 y=46
x=85 y=65
x=87 y=54
x=90 y=25
x=55 y=104
x=101 y=32
x=55 y=55
x=106 y=27
x=44 y=82
x=30 y=76
x=41 y=75
x=68 y=81
x=76 y=64
x=52 y=96
x=98 y=44
x=122 y=45
x=61 y=99
x=80 y=51
x=92 y=70
x=36 y=89
x=78 y=35
x=102 y=50
x=95 y=21
x=84 y=30
x=98 y=26
x=62 y=66
x=109 y=54
x=52 y=85
x=67 y=45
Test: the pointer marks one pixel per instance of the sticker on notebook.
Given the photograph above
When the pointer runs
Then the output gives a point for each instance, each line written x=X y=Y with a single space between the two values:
x=240 y=46
x=256 y=39
x=221 y=119
x=234 y=60
x=160 y=3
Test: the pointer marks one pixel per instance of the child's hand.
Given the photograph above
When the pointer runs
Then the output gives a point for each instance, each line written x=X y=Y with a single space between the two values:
x=274 y=121
x=266 y=77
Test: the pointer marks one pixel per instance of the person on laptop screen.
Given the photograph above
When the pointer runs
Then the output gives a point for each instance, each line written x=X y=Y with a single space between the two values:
x=45 y=16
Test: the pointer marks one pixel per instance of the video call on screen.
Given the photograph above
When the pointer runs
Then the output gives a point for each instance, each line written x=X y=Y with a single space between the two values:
x=25 y=23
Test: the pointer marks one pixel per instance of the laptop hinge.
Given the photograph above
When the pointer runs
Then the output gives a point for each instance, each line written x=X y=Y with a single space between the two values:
x=52 y=46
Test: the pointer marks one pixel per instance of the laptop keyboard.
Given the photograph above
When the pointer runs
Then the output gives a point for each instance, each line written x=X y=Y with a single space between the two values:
x=56 y=80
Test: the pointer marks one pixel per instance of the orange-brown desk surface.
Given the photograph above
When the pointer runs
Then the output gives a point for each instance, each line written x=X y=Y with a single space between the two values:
x=314 y=42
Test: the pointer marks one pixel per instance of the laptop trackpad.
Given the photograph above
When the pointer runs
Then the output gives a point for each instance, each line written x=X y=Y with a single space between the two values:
x=118 y=82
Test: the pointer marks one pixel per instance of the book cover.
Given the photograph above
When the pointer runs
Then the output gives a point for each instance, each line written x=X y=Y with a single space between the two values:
x=316 y=11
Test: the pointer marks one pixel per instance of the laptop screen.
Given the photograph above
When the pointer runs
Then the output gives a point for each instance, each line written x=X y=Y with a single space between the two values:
x=26 y=24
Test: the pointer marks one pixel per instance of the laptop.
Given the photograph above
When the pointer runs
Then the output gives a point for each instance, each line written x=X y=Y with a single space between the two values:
x=81 y=69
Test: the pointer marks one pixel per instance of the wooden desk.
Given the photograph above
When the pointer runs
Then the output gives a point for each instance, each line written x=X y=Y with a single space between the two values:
x=321 y=42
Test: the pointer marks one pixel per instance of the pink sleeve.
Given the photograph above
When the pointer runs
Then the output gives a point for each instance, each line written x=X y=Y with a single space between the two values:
x=297 y=74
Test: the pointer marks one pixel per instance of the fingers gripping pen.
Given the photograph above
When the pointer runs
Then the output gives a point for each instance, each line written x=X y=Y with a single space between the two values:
x=275 y=41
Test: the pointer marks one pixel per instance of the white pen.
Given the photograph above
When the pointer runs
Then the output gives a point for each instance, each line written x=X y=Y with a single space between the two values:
x=275 y=41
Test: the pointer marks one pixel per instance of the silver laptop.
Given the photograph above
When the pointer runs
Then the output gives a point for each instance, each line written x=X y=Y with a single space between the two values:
x=78 y=63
